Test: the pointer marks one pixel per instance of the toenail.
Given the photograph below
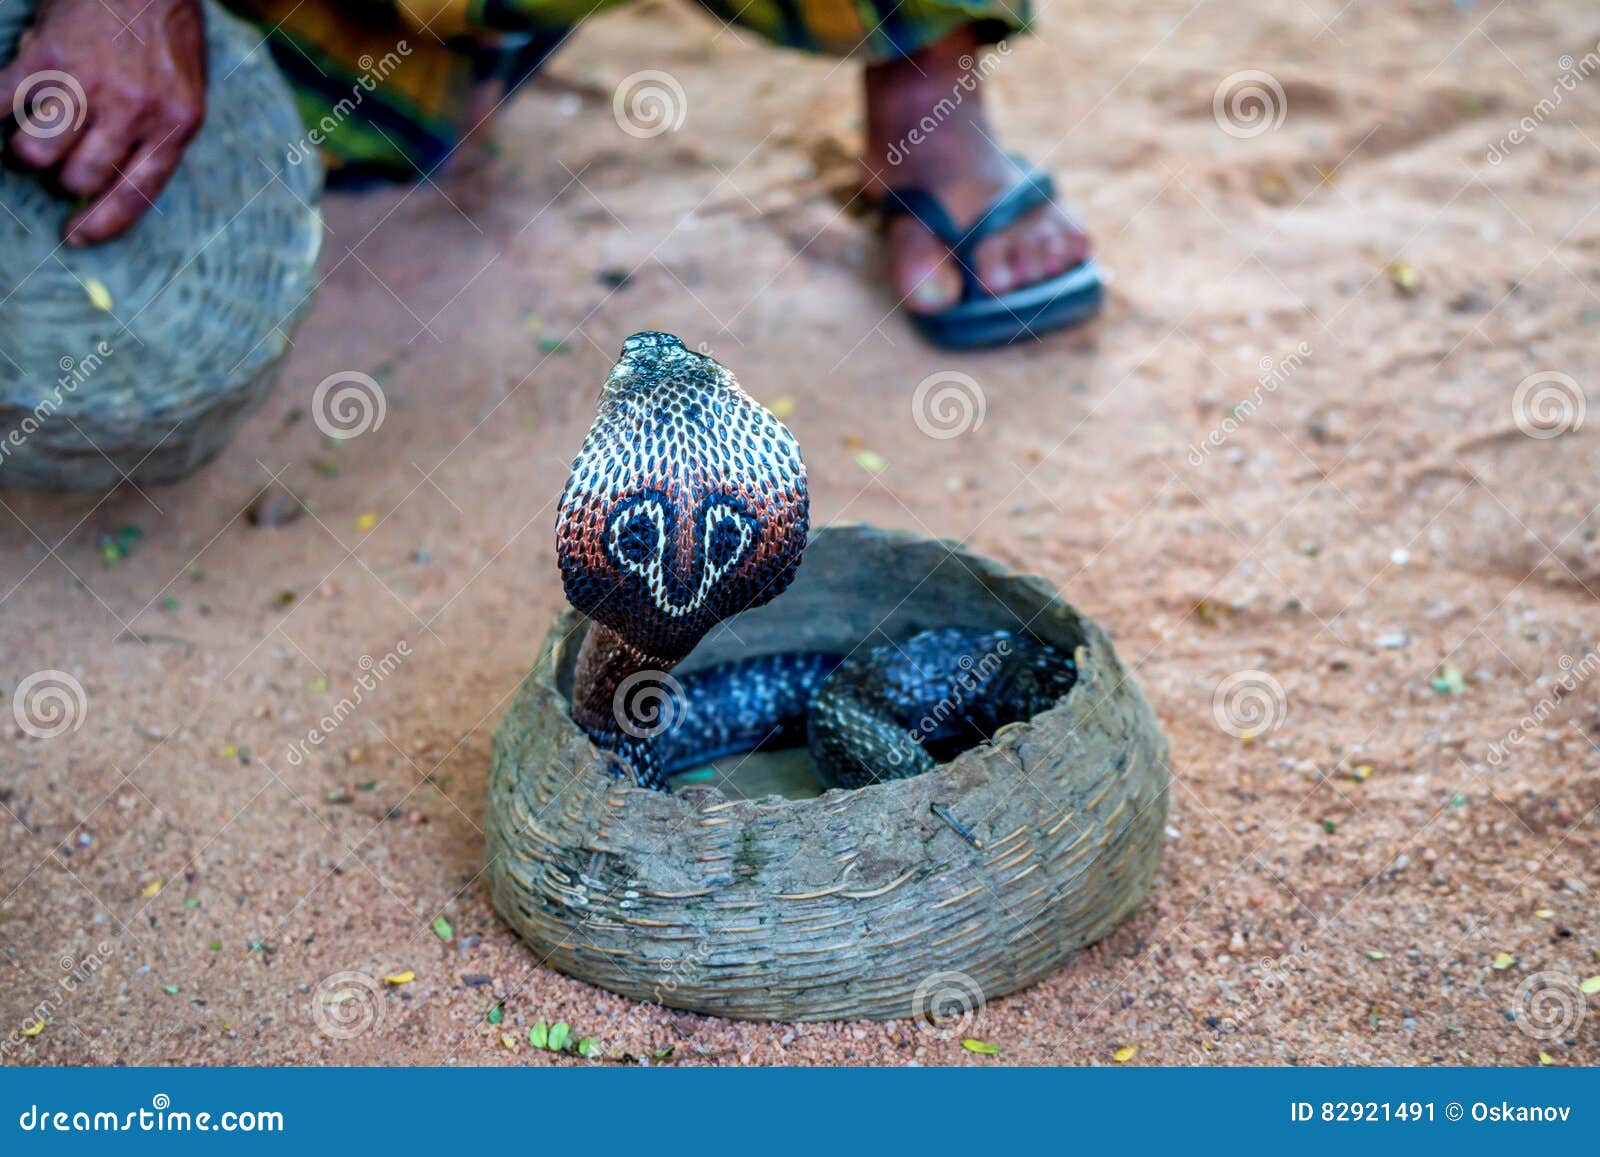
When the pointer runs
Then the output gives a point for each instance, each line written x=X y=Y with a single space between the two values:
x=927 y=292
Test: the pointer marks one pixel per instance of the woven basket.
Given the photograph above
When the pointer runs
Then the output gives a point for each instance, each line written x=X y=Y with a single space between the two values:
x=901 y=899
x=203 y=291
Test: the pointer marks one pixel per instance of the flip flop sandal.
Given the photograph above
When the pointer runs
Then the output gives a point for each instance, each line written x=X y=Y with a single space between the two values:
x=982 y=318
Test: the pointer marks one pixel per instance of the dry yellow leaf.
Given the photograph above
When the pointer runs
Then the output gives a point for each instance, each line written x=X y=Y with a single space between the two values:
x=366 y=522
x=870 y=461
x=1589 y=986
x=99 y=295
x=34 y=1029
x=150 y=889
x=1544 y=913
x=781 y=406
x=1502 y=961
x=1125 y=1053
x=400 y=977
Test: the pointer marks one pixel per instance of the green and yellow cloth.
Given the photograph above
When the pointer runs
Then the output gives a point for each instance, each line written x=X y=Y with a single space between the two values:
x=385 y=85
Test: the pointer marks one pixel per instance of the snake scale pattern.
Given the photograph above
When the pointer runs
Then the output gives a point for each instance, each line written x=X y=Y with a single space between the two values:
x=687 y=504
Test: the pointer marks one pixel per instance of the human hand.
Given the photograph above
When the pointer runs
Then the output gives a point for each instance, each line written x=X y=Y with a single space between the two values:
x=107 y=94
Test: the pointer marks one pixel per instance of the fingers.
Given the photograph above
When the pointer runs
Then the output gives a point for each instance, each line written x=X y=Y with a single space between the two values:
x=104 y=149
x=139 y=184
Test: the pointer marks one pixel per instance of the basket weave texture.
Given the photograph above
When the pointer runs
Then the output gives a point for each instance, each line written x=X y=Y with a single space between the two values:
x=203 y=292
x=855 y=904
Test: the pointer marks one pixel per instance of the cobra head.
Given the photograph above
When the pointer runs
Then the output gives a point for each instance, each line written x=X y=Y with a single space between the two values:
x=686 y=504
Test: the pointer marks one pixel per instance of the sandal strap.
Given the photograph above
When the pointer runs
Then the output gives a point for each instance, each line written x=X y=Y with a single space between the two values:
x=1033 y=189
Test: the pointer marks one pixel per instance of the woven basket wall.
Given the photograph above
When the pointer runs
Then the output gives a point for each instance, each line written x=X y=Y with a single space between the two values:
x=853 y=904
x=204 y=291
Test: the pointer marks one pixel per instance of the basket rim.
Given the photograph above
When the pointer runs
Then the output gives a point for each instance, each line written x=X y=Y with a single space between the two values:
x=1092 y=654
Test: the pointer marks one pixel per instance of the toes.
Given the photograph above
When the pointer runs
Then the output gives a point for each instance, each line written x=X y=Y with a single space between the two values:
x=994 y=264
x=924 y=275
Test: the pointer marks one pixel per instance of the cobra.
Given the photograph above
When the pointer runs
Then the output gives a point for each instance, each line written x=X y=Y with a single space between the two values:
x=688 y=504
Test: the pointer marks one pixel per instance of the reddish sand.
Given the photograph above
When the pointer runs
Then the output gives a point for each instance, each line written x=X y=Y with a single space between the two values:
x=1380 y=493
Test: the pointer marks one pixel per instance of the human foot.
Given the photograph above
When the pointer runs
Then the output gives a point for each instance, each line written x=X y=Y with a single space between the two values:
x=926 y=127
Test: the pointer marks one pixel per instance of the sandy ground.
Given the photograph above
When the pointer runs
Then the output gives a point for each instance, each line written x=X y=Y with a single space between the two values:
x=1337 y=887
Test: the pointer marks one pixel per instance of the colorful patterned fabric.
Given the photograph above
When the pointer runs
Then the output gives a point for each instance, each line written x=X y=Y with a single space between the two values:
x=384 y=85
